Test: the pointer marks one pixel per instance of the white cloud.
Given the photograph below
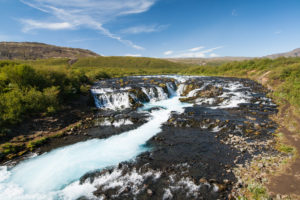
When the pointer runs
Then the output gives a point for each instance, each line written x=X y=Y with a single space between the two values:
x=32 y=24
x=211 y=49
x=90 y=13
x=196 y=48
x=212 y=55
x=168 y=53
x=133 y=55
x=195 y=53
x=144 y=29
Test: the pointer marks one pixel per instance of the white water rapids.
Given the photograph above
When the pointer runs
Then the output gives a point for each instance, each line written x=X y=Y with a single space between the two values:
x=47 y=176
x=54 y=175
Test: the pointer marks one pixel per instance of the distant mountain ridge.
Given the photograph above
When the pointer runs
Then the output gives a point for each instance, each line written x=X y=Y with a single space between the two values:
x=204 y=61
x=221 y=60
x=293 y=53
x=34 y=50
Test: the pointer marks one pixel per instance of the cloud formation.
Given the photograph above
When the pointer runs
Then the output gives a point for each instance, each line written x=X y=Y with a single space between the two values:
x=144 y=29
x=168 y=53
x=195 y=52
x=196 y=48
x=30 y=24
x=93 y=14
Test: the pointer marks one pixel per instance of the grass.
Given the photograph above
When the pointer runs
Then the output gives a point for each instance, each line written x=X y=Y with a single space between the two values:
x=11 y=148
x=285 y=148
x=61 y=79
x=36 y=143
x=258 y=191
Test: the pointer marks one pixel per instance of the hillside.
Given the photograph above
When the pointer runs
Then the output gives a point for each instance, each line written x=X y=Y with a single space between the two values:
x=222 y=60
x=293 y=53
x=33 y=51
x=207 y=61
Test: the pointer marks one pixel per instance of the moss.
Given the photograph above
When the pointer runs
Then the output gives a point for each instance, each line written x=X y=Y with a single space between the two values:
x=258 y=191
x=36 y=143
x=58 y=135
x=11 y=148
x=189 y=88
x=285 y=148
x=187 y=99
x=139 y=94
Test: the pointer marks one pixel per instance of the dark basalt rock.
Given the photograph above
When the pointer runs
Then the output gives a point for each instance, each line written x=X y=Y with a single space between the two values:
x=194 y=154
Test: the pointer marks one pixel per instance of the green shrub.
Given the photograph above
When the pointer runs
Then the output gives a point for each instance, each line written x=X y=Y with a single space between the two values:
x=101 y=75
x=10 y=148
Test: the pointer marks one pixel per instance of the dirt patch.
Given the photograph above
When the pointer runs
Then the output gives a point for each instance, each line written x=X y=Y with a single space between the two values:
x=263 y=79
x=287 y=182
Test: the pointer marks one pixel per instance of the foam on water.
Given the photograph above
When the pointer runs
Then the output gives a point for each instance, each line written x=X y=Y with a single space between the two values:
x=47 y=176
x=55 y=175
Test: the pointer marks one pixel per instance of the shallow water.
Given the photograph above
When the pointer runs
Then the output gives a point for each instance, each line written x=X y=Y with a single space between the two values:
x=56 y=174
x=46 y=176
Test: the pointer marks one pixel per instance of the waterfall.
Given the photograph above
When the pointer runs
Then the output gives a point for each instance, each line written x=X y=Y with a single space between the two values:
x=161 y=95
x=120 y=98
x=171 y=89
x=114 y=100
x=149 y=93
x=56 y=174
x=181 y=88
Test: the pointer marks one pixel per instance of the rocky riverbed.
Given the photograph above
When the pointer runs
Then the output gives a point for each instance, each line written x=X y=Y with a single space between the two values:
x=225 y=123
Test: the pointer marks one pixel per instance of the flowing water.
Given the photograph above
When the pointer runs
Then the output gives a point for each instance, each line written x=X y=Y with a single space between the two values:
x=55 y=175
x=46 y=176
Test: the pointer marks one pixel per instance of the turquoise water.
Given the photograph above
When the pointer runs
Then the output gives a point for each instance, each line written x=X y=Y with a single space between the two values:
x=46 y=176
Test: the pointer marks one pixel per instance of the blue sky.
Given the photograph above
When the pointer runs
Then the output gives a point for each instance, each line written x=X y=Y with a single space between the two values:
x=156 y=28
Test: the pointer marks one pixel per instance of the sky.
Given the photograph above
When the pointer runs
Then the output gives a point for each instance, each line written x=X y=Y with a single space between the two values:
x=156 y=28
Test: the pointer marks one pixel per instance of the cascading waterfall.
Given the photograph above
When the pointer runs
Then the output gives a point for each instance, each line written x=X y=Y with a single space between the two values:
x=55 y=175
x=114 y=100
x=171 y=89
x=161 y=95
x=47 y=176
x=109 y=99
x=149 y=92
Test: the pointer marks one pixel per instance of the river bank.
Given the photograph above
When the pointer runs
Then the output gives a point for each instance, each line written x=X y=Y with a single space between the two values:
x=225 y=125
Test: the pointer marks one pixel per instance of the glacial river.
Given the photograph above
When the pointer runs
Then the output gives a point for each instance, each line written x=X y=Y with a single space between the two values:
x=55 y=175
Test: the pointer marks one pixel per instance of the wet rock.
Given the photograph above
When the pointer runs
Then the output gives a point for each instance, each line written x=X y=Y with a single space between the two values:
x=209 y=139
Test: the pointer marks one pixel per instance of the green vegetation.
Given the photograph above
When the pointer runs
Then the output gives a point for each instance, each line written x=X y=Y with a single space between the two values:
x=44 y=86
x=36 y=143
x=27 y=91
x=285 y=148
x=282 y=75
x=34 y=87
x=9 y=148
x=258 y=191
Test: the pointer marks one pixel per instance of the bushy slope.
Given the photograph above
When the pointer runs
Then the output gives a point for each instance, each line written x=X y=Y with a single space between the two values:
x=31 y=87
x=33 y=50
x=25 y=85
